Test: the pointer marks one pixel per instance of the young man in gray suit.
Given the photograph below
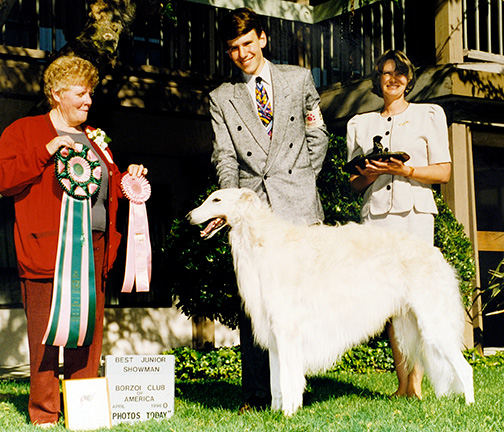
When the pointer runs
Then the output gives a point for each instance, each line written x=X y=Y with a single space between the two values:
x=270 y=137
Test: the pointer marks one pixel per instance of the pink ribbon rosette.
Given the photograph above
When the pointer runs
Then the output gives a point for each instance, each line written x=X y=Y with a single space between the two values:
x=138 y=253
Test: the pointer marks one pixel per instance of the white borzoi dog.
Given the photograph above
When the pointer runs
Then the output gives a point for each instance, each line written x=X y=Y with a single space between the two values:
x=314 y=292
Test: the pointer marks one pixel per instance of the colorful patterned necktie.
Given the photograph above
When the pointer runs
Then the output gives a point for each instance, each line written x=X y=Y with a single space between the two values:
x=264 y=106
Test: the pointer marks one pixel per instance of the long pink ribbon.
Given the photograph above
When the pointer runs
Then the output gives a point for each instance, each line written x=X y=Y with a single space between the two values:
x=138 y=254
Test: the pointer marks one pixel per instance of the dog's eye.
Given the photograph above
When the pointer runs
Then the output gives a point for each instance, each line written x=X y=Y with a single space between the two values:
x=216 y=200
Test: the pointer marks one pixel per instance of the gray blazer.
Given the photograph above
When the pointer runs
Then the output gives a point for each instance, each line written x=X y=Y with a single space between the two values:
x=282 y=170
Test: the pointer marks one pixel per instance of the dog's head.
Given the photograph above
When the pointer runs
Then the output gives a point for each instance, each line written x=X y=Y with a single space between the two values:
x=223 y=208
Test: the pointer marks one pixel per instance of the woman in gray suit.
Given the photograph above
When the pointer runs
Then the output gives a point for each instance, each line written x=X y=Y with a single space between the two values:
x=397 y=194
x=271 y=138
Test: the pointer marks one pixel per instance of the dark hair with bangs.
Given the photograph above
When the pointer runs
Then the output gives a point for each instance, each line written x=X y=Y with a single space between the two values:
x=403 y=65
x=238 y=23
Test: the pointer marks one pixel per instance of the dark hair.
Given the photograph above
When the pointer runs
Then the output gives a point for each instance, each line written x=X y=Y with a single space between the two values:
x=403 y=65
x=238 y=23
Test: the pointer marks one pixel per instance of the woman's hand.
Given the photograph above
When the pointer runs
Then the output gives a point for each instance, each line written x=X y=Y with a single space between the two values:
x=137 y=170
x=430 y=174
x=391 y=166
x=60 y=141
x=375 y=168
x=366 y=176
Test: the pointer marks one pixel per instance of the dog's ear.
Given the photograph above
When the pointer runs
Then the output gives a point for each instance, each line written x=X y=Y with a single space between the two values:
x=249 y=196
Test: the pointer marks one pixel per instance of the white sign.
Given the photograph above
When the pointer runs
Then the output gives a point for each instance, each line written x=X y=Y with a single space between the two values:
x=86 y=404
x=141 y=387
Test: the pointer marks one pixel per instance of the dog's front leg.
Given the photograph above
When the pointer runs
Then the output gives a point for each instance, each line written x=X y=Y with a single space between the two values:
x=290 y=370
x=276 y=394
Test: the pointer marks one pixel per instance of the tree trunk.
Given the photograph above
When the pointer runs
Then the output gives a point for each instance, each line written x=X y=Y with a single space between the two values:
x=5 y=7
x=98 y=40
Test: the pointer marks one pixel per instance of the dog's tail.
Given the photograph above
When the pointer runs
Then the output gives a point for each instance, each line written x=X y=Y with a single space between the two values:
x=441 y=357
x=435 y=340
x=448 y=371
x=430 y=329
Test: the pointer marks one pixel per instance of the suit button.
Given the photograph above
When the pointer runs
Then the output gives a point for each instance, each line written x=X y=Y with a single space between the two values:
x=290 y=171
x=291 y=145
x=388 y=187
x=249 y=153
x=292 y=118
x=239 y=128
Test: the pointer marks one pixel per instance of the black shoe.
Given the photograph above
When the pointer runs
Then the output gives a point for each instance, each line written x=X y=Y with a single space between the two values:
x=255 y=403
x=245 y=408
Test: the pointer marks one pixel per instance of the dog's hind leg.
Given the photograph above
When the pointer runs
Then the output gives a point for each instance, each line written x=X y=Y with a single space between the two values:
x=287 y=376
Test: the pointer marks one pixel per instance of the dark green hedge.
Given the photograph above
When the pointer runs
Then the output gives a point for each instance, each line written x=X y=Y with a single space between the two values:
x=225 y=363
x=201 y=272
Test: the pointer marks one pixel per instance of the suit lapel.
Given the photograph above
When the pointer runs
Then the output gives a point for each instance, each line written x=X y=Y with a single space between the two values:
x=247 y=111
x=281 y=115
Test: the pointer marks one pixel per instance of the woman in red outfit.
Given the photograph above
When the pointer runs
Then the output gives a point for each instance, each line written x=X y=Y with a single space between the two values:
x=27 y=172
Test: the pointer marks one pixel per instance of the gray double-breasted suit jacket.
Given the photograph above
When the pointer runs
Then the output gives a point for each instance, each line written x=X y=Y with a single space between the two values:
x=282 y=170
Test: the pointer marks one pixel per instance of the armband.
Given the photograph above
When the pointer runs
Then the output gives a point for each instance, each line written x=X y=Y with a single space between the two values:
x=314 y=118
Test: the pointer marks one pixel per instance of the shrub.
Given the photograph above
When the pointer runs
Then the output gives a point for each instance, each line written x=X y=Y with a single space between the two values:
x=203 y=280
x=214 y=364
x=450 y=238
x=341 y=204
x=479 y=361
x=225 y=363
x=373 y=356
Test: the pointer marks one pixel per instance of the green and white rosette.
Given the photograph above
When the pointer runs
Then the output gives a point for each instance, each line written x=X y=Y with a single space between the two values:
x=73 y=308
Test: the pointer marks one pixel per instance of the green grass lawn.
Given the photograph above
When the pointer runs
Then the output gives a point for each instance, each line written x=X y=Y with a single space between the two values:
x=337 y=401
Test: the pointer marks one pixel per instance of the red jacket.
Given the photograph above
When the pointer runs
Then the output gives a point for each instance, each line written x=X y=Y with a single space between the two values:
x=27 y=172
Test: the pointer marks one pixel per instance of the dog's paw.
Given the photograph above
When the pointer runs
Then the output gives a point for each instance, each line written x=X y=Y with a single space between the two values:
x=276 y=403
x=289 y=409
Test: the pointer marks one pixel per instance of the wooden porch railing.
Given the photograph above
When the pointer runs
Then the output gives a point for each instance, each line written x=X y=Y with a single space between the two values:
x=483 y=29
x=335 y=49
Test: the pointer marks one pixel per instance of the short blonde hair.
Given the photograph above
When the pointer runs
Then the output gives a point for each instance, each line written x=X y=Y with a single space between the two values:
x=67 y=71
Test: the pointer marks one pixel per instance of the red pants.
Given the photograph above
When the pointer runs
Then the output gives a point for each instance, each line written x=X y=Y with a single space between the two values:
x=81 y=362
